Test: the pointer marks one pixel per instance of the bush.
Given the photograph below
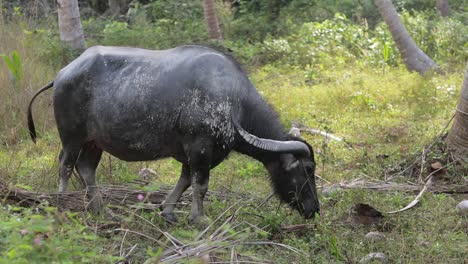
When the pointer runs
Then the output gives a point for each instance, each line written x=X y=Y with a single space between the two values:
x=339 y=41
x=157 y=25
x=443 y=39
x=28 y=236
x=331 y=42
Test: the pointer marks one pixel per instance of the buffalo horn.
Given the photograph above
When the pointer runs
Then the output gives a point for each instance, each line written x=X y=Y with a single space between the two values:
x=293 y=147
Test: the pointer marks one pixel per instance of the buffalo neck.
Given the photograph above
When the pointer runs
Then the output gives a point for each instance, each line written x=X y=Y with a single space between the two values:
x=259 y=119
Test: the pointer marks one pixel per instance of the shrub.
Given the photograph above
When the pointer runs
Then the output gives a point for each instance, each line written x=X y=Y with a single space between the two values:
x=157 y=25
x=331 y=42
x=443 y=39
x=27 y=236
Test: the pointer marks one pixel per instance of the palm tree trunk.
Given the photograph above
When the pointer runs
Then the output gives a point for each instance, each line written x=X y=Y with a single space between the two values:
x=457 y=139
x=114 y=8
x=415 y=59
x=71 y=31
x=209 y=9
x=45 y=7
x=444 y=7
x=1 y=13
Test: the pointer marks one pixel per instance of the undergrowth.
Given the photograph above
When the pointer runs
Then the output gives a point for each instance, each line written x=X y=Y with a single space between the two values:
x=386 y=115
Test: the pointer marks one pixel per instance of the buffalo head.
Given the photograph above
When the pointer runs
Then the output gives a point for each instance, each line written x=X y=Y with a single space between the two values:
x=291 y=166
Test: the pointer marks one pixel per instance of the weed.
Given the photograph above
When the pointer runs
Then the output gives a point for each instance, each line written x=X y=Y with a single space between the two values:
x=14 y=65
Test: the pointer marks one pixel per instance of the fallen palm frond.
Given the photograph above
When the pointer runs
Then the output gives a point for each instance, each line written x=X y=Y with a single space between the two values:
x=390 y=186
x=219 y=242
x=216 y=243
x=223 y=240
x=418 y=197
x=326 y=134
x=77 y=200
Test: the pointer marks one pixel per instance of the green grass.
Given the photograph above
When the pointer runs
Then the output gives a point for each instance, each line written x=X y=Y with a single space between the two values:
x=387 y=116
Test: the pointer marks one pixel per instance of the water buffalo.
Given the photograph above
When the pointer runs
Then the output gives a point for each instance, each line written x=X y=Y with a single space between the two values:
x=192 y=103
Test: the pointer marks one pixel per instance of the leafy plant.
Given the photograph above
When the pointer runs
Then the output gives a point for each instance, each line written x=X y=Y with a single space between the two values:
x=28 y=236
x=14 y=65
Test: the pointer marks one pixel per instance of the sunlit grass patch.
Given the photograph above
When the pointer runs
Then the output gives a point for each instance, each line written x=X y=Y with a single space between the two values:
x=389 y=113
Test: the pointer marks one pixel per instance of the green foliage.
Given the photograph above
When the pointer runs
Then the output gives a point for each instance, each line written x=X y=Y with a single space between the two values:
x=256 y=20
x=331 y=43
x=340 y=73
x=338 y=41
x=29 y=236
x=14 y=65
x=443 y=39
x=156 y=25
x=334 y=249
x=47 y=46
x=251 y=170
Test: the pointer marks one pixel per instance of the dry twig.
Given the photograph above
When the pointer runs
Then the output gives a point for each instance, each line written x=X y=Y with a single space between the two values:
x=425 y=151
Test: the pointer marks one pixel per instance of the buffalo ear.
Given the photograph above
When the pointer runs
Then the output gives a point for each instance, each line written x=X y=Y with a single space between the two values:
x=289 y=162
x=292 y=165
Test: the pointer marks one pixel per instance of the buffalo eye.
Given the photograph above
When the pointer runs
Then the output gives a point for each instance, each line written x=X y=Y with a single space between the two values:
x=309 y=170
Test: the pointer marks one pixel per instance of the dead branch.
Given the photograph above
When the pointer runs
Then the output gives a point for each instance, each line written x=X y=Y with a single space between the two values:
x=320 y=132
x=77 y=200
x=424 y=189
x=426 y=150
x=416 y=199
x=389 y=186
x=327 y=135
x=296 y=228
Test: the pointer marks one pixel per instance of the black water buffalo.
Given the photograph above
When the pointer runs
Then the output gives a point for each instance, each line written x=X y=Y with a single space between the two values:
x=191 y=103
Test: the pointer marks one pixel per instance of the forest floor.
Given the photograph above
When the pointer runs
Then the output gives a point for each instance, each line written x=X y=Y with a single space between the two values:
x=387 y=118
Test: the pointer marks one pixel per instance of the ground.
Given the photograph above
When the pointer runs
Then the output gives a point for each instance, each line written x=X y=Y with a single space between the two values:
x=387 y=116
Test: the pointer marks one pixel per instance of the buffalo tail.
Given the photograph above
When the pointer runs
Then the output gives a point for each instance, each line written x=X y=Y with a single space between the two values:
x=32 y=128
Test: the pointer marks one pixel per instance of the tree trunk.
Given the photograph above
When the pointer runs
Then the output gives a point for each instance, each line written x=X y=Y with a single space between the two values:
x=71 y=31
x=457 y=139
x=1 y=13
x=117 y=7
x=114 y=8
x=415 y=59
x=45 y=7
x=444 y=7
x=209 y=10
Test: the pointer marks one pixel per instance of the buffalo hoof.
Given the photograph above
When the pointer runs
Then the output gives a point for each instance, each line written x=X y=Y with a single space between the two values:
x=170 y=218
x=95 y=204
x=198 y=221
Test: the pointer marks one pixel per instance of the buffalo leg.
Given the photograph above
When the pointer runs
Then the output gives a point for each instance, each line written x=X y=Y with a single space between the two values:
x=200 y=164
x=68 y=157
x=86 y=166
x=199 y=187
x=174 y=196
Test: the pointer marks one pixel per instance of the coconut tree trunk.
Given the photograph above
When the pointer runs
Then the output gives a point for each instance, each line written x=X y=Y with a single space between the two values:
x=209 y=9
x=444 y=7
x=114 y=7
x=45 y=7
x=1 y=13
x=415 y=59
x=71 y=31
x=457 y=139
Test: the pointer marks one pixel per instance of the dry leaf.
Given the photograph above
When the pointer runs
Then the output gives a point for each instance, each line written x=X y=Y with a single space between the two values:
x=439 y=167
x=364 y=214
